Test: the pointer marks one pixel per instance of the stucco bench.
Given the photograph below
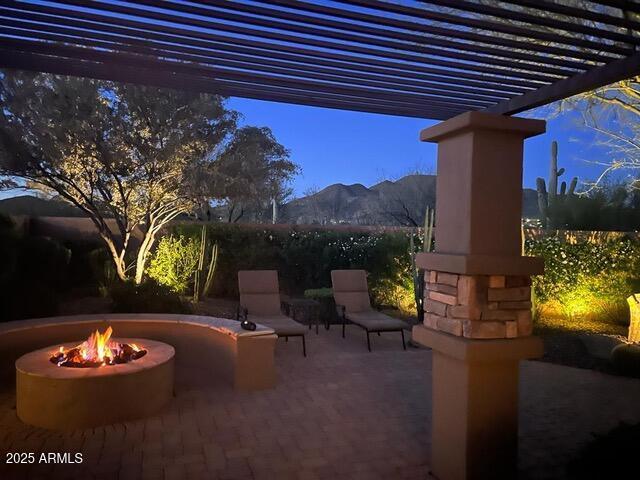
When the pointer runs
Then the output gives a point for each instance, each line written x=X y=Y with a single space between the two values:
x=208 y=350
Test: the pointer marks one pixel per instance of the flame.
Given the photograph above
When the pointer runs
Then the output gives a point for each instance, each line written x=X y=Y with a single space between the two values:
x=98 y=350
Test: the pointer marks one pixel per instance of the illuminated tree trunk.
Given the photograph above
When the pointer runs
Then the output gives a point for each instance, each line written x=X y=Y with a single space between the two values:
x=634 y=323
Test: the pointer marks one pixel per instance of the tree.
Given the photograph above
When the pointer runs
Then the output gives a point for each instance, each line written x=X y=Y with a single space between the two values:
x=252 y=171
x=125 y=155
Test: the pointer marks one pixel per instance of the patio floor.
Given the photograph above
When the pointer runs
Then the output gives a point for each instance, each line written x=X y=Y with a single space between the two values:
x=340 y=413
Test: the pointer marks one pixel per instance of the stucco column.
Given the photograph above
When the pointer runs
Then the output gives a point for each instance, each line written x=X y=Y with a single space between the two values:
x=478 y=295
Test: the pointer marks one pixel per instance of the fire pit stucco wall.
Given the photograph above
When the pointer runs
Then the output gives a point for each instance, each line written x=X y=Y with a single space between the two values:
x=207 y=350
x=65 y=398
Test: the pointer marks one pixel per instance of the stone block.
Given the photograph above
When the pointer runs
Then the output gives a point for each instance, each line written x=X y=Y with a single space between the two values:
x=450 y=325
x=468 y=290
x=443 y=297
x=433 y=306
x=497 y=281
x=475 y=329
x=442 y=288
x=433 y=276
x=521 y=305
x=514 y=294
x=511 y=329
x=490 y=314
x=467 y=312
x=448 y=278
x=431 y=320
x=518 y=281
x=525 y=323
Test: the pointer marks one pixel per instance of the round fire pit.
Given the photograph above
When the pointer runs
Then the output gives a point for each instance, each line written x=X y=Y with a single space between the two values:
x=63 y=398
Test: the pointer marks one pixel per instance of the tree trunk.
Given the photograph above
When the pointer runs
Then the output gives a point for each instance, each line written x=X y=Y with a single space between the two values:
x=117 y=257
x=143 y=254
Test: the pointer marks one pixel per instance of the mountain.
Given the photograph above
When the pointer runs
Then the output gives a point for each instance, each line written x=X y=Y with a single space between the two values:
x=401 y=202
x=38 y=207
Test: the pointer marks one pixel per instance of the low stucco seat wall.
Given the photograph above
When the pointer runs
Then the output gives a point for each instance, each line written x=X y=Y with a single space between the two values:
x=208 y=350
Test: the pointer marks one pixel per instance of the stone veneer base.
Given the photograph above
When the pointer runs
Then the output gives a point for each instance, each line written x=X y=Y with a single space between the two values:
x=478 y=306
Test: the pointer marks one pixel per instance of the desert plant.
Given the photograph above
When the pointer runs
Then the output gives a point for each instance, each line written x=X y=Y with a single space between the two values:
x=198 y=289
x=418 y=274
x=549 y=198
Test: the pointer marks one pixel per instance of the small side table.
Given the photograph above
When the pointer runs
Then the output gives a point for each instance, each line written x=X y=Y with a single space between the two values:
x=303 y=310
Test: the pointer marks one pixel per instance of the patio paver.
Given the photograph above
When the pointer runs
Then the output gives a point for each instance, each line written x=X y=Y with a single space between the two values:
x=340 y=413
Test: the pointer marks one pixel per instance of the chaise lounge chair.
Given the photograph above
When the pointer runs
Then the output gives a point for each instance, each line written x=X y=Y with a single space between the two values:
x=260 y=303
x=351 y=294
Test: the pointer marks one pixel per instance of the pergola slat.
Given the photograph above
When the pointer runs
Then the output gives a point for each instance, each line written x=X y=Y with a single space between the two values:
x=420 y=39
x=549 y=6
x=221 y=59
x=502 y=28
x=472 y=37
x=258 y=64
x=143 y=76
x=219 y=74
x=68 y=17
x=533 y=19
x=393 y=49
x=422 y=58
x=613 y=72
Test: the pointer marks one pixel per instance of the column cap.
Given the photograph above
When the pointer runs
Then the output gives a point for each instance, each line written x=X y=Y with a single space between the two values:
x=479 y=350
x=526 y=127
x=480 y=264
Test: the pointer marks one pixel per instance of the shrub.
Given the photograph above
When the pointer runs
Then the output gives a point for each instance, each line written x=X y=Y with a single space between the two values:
x=148 y=297
x=626 y=359
x=305 y=258
x=586 y=279
x=607 y=456
x=175 y=262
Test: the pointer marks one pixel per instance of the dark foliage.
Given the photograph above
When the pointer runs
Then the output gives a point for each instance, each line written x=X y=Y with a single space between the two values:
x=148 y=297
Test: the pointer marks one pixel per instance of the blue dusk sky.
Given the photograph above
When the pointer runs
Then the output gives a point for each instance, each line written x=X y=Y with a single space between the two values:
x=333 y=146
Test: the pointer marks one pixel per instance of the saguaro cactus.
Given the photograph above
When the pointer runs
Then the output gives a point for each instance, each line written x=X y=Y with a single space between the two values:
x=418 y=275
x=548 y=198
x=198 y=288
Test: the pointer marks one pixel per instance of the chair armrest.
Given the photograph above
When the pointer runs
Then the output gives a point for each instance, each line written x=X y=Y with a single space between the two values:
x=242 y=313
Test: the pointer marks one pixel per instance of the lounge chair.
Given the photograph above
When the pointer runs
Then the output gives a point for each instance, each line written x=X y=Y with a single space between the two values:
x=351 y=294
x=260 y=303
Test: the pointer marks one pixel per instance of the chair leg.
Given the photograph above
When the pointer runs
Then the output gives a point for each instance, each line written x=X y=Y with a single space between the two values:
x=404 y=346
x=344 y=321
x=368 y=341
x=304 y=347
x=378 y=333
x=286 y=339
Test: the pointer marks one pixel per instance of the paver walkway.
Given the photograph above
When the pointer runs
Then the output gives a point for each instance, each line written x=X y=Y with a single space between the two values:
x=341 y=413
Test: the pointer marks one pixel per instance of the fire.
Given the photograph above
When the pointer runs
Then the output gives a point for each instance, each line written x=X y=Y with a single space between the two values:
x=98 y=350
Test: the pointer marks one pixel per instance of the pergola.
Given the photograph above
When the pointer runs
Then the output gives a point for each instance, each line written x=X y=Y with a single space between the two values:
x=429 y=59
x=471 y=63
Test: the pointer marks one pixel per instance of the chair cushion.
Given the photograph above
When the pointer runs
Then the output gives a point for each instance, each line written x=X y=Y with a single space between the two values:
x=375 y=321
x=258 y=281
x=281 y=324
x=349 y=280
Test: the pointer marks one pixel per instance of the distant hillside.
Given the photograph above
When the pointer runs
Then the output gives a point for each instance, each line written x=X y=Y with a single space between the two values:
x=38 y=207
x=401 y=202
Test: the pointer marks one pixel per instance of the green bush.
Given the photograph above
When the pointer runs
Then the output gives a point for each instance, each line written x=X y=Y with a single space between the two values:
x=174 y=262
x=148 y=297
x=626 y=359
x=305 y=258
x=607 y=456
x=586 y=279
